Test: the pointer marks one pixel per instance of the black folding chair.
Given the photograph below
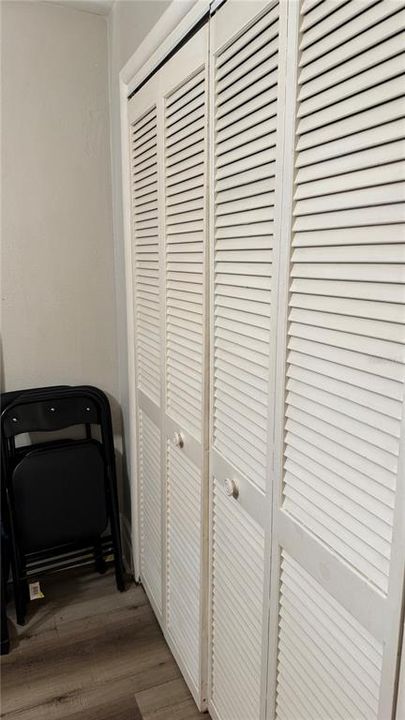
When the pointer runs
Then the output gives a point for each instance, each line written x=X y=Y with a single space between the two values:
x=60 y=494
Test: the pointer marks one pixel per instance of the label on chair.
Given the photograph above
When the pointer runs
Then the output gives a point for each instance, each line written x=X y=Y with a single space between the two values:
x=35 y=591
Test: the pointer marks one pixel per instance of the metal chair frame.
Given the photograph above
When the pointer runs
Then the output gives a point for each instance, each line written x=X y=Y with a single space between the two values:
x=48 y=410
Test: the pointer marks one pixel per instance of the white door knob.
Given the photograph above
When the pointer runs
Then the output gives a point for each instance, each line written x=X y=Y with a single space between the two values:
x=178 y=439
x=231 y=488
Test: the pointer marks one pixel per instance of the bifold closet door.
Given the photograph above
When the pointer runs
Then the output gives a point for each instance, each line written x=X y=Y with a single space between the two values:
x=168 y=119
x=145 y=159
x=184 y=92
x=338 y=546
x=245 y=159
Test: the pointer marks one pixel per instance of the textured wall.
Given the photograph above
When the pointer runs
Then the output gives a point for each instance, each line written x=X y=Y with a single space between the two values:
x=59 y=316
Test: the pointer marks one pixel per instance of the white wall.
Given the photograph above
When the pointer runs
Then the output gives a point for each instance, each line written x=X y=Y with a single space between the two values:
x=129 y=23
x=58 y=312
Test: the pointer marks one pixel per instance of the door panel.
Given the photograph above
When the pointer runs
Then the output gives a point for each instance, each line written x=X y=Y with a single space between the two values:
x=150 y=506
x=145 y=153
x=144 y=169
x=245 y=157
x=184 y=108
x=329 y=664
x=183 y=557
x=338 y=558
x=244 y=215
x=185 y=240
x=169 y=229
x=237 y=599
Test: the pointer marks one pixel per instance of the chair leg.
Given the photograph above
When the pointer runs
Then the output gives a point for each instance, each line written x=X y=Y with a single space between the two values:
x=19 y=588
x=111 y=488
x=119 y=577
x=5 y=639
x=118 y=564
x=116 y=541
x=99 y=562
x=21 y=597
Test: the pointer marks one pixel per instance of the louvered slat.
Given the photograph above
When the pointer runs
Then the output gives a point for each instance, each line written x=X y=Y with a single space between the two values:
x=146 y=253
x=183 y=557
x=185 y=212
x=150 y=506
x=346 y=334
x=245 y=151
x=329 y=666
x=237 y=587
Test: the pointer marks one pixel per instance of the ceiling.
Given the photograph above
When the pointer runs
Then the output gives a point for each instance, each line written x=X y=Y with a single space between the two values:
x=99 y=7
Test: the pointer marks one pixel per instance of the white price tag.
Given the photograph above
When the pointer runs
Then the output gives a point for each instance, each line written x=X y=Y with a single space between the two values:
x=35 y=591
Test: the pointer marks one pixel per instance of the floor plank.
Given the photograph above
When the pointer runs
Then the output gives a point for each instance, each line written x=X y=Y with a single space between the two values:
x=89 y=652
x=170 y=699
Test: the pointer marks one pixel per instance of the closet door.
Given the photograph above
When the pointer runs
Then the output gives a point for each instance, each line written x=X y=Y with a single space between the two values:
x=168 y=119
x=339 y=516
x=245 y=156
x=146 y=157
x=184 y=109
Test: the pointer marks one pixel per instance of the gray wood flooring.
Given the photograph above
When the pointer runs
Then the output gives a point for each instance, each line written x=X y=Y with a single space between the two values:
x=89 y=652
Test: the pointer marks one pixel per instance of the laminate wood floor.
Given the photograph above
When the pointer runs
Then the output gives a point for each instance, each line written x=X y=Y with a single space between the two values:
x=88 y=652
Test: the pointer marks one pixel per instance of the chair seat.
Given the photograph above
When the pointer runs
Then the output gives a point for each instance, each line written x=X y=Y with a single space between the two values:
x=59 y=494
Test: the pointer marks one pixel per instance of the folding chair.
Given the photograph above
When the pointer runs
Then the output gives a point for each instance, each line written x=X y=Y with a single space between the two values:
x=60 y=494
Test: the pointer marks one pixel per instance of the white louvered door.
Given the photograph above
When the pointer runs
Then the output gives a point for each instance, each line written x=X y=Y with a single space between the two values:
x=145 y=158
x=245 y=159
x=273 y=161
x=169 y=138
x=338 y=550
x=184 y=91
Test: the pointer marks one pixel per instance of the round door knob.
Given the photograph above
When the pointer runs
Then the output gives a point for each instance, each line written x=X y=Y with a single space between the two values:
x=178 y=439
x=231 y=488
